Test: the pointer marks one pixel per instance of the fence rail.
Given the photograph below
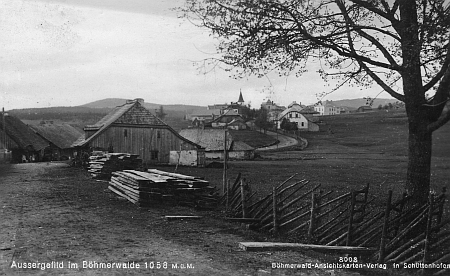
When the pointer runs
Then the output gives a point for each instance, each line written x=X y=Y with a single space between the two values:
x=302 y=211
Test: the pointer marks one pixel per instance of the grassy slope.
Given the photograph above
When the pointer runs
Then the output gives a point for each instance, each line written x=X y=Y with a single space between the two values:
x=253 y=138
x=363 y=148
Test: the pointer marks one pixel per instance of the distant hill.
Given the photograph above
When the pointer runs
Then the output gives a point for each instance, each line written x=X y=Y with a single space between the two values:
x=113 y=102
x=90 y=113
x=355 y=103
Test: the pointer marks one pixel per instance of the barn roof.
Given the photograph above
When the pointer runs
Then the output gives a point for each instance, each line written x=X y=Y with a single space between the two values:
x=2 y=144
x=120 y=114
x=21 y=134
x=229 y=113
x=62 y=136
x=211 y=139
x=130 y=113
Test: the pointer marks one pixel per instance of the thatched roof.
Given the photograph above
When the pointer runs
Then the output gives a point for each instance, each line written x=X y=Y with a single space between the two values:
x=62 y=136
x=239 y=146
x=23 y=136
x=212 y=139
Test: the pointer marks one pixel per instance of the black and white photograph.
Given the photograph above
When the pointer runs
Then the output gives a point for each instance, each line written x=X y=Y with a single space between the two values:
x=225 y=137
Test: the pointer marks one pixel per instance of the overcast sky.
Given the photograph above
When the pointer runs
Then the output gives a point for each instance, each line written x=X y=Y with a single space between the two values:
x=71 y=52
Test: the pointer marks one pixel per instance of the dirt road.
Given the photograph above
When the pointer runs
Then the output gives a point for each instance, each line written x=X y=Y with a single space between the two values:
x=284 y=142
x=55 y=220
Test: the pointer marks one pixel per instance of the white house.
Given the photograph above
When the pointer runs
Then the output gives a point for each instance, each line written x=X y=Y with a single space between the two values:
x=294 y=115
x=327 y=109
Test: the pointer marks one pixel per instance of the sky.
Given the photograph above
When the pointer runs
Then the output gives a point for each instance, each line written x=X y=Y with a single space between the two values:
x=72 y=52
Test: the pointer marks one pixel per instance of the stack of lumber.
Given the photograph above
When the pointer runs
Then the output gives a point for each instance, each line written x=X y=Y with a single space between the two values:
x=153 y=186
x=103 y=166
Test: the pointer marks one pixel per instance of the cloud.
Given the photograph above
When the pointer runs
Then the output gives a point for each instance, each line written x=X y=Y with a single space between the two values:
x=70 y=52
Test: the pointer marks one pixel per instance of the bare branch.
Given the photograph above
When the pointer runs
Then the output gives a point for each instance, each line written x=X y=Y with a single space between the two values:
x=368 y=5
x=441 y=72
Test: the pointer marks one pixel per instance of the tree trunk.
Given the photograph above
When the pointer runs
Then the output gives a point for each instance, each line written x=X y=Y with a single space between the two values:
x=419 y=148
x=419 y=160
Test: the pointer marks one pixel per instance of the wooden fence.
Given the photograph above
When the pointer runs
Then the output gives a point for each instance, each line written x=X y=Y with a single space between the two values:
x=303 y=212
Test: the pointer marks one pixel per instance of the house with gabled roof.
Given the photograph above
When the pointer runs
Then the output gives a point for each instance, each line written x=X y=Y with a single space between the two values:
x=202 y=116
x=131 y=128
x=20 y=141
x=60 y=138
x=295 y=114
x=230 y=119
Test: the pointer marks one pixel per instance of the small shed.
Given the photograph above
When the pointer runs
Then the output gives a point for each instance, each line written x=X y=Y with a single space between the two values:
x=19 y=141
x=131 y=128
x=212 y=139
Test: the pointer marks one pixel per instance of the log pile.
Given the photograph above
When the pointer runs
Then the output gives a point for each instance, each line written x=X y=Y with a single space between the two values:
x=155 y=186
x=102 y=166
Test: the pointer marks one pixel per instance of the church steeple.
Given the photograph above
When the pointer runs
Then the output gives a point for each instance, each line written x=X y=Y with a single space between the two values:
x=241 y=99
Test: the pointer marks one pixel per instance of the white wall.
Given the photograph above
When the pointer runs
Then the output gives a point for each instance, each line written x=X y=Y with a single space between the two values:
x=187 y=158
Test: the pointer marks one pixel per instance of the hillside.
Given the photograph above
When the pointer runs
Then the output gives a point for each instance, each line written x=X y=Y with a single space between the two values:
x=355 y=103
x=90 y=113
x=113 y=102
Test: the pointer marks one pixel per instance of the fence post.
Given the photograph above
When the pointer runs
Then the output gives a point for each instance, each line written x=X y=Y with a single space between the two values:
x=441 y=206
x=275 y=211
x=385 y=227
x=427 y=233
x=228 y=194
x=314 y=209
x=243 y=199
x=224 y=180
x=350 y=219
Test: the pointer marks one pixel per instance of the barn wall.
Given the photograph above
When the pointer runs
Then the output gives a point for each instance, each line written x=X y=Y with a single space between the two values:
x=235 y=155
x=142 y=141
x=214 y=155
x=241 y=154
x=184 y=158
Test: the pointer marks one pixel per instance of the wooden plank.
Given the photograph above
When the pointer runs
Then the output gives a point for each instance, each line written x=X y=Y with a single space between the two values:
x=175 y=175
x=279 y=246
x=133 y=176
x=182 y=217
x=119 y=193
x=135 y=191
x=151 y=176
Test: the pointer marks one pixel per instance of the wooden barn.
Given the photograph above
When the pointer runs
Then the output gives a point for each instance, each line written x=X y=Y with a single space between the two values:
x=131 y=128
x=60 y=137
x=19 y=142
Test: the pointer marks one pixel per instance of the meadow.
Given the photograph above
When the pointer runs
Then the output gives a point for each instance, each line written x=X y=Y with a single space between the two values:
x=349 y=152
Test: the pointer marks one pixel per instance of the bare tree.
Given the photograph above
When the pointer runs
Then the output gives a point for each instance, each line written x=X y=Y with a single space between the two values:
x=401 y=45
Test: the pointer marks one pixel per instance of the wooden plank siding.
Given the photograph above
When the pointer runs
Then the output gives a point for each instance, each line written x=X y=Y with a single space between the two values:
x=142 y=140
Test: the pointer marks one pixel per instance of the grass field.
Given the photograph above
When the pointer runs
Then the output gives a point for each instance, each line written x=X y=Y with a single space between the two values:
x=360 y=149
x=253 y=138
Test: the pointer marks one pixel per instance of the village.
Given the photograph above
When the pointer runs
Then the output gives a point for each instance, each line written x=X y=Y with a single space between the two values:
x=283 y=179
x=131 y=128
